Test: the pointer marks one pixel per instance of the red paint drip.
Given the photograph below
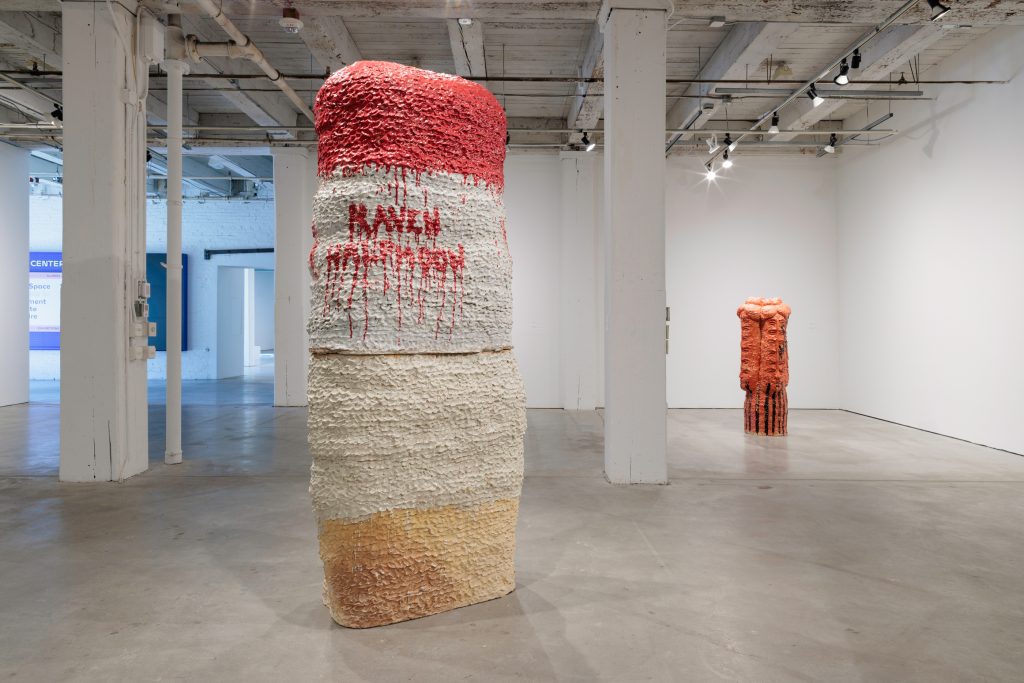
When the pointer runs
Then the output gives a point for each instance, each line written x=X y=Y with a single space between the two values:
x=386 y=115
x=418 y=272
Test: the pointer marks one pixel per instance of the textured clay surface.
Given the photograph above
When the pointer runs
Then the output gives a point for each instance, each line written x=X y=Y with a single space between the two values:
x=413 y=431
x=416 y=408
x=764 y=365
x=389 y=115
x=413 y=263
x=409 y=563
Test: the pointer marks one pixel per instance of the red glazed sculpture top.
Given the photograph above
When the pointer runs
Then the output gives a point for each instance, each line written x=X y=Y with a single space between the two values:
x=389 y=115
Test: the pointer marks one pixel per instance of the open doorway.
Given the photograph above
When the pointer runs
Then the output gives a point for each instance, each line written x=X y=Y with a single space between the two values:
x=245 y=324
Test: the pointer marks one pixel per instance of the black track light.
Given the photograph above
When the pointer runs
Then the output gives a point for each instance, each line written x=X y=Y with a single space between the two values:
x=843 y=77
x=774 y=129
x=938 y=9
x=587 y=144
x=726 y=161
x=855 y=59
x=508 y=138
x=730 y=145
x=58 y=113
x=814 y=97
x=830 y=148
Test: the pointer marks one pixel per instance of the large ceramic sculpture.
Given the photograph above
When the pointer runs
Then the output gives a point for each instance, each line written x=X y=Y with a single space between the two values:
x=416 y=407
x=764 y=365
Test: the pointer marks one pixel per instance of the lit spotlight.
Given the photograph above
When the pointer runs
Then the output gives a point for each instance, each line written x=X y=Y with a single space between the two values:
x=587 y=144
x=843 y=77
x=710 y=174
x=830 y=148
x=774 y=129
x=726 y=161
x=812 y=94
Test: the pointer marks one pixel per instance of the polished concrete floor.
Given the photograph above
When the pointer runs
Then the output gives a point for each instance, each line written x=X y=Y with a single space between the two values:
x=852 y=550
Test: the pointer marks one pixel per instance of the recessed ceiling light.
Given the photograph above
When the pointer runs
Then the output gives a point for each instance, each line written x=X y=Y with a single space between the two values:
x=465 y=21
x=289 y=20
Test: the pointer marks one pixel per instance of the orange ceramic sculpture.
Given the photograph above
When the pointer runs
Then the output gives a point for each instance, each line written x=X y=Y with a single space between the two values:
x=764 y=365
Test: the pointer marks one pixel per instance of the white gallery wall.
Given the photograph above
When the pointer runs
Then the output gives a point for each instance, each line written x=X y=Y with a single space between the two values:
x=932 y=257
x=766 y=228
x=532 y=202
x=14 y=231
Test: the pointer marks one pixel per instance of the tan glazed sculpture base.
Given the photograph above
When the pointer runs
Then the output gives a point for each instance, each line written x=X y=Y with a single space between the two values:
x=404 y=564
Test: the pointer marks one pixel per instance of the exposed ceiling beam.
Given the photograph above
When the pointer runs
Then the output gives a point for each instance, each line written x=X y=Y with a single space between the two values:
x=192 y=166
x=850 y=11
x=587 y=106
x=805 y=11
x=31 y=106
x=891 y=49
x=330 y=42
x=30 y=5
x=802 y=11
x=744 y=49
x=419 y=9
x=32 y=33
x=467 y=48
x=156 y=112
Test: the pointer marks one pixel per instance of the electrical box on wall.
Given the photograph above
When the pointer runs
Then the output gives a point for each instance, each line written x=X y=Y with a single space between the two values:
x=151 y=38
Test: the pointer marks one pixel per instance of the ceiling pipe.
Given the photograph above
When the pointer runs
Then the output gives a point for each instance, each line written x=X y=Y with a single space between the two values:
x=253 y=54
x=596 y=131
x=42 y=75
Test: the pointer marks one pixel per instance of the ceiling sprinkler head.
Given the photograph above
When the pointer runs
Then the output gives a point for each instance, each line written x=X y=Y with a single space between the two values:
x=289 y=20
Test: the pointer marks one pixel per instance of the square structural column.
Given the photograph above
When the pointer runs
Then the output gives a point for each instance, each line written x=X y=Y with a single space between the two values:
x=578 y=286
x=104 y=330
x=294 y=187
x=13 y=275
x=634 y=177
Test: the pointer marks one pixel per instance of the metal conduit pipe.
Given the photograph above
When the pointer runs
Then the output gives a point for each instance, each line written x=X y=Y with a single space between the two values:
x=176 y=66
x=254 y=54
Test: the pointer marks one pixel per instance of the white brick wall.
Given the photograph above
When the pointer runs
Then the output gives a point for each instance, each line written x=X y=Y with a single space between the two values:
x=206 y=224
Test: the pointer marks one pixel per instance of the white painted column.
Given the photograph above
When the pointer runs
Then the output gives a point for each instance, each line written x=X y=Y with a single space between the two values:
x=103 y=426
x=176 y=69
x=293 y=197
x=578 y=286
x=634 y=176
x=13 y=275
